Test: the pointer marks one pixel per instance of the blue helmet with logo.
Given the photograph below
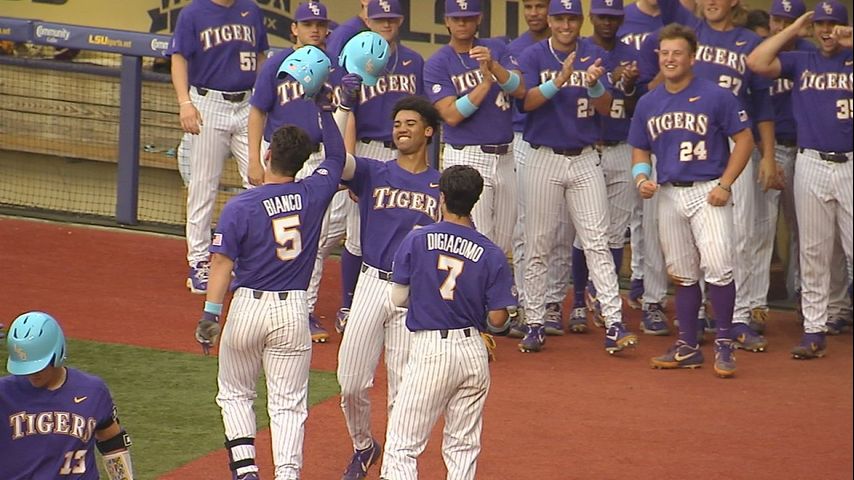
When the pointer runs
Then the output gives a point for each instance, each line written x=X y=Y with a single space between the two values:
x=366 y=55
x=309 y=66
x=35 y=341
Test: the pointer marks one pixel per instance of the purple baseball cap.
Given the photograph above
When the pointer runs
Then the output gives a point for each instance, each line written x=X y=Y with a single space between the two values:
x=309 y=11
x=607 y=7
x=831 y=10
x=384 y=9
x=788 y=8
x=565 y=7
x=462 y=8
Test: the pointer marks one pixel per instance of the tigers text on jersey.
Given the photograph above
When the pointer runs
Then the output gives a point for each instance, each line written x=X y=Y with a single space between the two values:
x=455 y=275
x=50 y=434
x=567 y=119
x=822 y=98
x=451 y=74
x=688 y=131
x=220 y=44
x=392 y=201
x=781 y=99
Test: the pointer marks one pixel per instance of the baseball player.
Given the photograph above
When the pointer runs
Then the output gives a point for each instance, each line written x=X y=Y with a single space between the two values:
x=217 y=47
x=471 y=82
x=55 y=416
x=824 y=106
x=394 y=198
x=276 y=102
x=721 y=40
x=563 y=76
x=557 y=283
x=268 y=238
x=456 y=283
x=368 y=131
x=685 y=122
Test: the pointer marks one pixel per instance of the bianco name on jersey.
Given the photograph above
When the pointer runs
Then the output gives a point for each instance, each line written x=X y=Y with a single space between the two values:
x=454 y=244
x=283 y=204
x=826 y=81
x=24 y=424
x=387 y=197
x=390 y=83
x=693 y=122
x=721 y=56
x=214 y=36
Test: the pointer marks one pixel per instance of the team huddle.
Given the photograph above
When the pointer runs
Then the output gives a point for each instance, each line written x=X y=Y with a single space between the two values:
x=675 y=121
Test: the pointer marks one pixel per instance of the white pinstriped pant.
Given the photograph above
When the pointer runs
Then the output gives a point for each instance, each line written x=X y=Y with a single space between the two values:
x=447 y=376
x=494 y=215
x=745 y=232
x=271 y=333
x=654 y=270
x=374 y=322
x=554 y=183
x=823 y=200
x=616 y=163
x=696 y=237
x=225 y=131
x=377 y=151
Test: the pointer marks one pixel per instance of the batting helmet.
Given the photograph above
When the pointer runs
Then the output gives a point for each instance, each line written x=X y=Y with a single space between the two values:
x=309 y=66
x=35 y=341
x=366 y=55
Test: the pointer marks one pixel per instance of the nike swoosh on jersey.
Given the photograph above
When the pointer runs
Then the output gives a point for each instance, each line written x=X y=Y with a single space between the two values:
x=80 y=399
x=406 y=62
x=434 y=185
x=848 y=63
x=679 y=358
x=584 y=59
x=694 y=99
x=741 y=43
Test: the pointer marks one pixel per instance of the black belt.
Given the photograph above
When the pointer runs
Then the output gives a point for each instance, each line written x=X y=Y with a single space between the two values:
x=567 y=152
x=787 y=142
x=610 y=143
x=682 y=184
x=231 y=97
x=257 y=294
x=386 y=143
x=385 y=276
x=493 y=149
x=835 y=157
x=466 y=332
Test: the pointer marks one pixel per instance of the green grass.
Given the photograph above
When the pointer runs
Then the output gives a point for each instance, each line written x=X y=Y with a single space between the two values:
x=166 y=400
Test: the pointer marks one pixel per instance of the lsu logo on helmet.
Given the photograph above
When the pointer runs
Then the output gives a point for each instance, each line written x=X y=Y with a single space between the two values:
x=828 y=8
x=567 y=4
x=787 y=5
x=463 y=4
x=315 y=9
x=384 y=5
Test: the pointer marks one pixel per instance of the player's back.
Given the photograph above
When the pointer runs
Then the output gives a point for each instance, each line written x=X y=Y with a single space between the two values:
x=453 y=272
x=50 y=434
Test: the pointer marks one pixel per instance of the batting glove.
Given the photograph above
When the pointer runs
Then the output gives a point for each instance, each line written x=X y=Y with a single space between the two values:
x=207 y=331
x=351 y=85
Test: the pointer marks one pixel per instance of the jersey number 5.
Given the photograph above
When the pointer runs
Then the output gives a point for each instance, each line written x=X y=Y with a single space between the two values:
x=75 y=463
x=286 y=230
x=454 y=266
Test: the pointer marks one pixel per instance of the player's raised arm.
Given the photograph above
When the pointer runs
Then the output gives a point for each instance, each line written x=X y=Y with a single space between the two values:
x=763 y=59
x=537 y=95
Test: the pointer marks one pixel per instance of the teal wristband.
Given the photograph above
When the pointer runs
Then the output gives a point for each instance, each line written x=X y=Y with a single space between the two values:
x=511 y=84
x=596 y=91
x=465 y=107
x=549 y=89
x=214 y=308
x=641 y=168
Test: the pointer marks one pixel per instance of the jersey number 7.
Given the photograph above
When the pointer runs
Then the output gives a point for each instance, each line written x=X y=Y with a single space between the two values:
x=454 y=266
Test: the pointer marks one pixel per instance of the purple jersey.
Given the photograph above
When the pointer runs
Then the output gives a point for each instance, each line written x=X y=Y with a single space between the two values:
x=282 y=100
x=781 y=99
x=637 y=26
x=615 y=126
x=451 y=74
x=688 y=131
x=455 y=277
x=272 y=231
x=515 y=48
x=722 y=58
x=342 y=34
x=403 y=76
x=221 y=44
x=567 y=120
x=822 y=98
x=648 y=61
x=392 y=201
x=51 y=434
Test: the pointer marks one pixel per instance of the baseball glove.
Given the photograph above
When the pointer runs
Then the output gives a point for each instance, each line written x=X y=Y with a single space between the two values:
x=489 y=341
x=207 y=332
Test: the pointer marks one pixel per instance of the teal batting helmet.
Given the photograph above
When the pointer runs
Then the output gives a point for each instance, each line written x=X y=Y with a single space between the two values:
x=309 y=66
x=366 y=55
x=35 y=341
